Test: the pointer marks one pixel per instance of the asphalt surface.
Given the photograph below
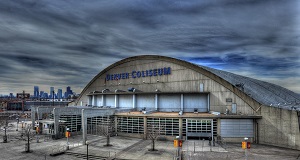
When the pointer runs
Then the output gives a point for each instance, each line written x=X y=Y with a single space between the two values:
x=130 y=148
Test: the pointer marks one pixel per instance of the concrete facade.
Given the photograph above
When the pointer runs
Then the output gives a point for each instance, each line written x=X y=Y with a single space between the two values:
x=185 y=95
x=184 y=78
x=279 y=127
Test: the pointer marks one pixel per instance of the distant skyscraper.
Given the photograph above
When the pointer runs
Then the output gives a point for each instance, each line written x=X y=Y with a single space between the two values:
x=42 y=94
x=11 y=95
x=68 y=92
x=36 y=91
x=45 y=95
x=51 y=92
x=59 y=93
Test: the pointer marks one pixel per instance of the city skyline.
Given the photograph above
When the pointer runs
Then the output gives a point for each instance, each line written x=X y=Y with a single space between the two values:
x=37 y=93
x=60 y=43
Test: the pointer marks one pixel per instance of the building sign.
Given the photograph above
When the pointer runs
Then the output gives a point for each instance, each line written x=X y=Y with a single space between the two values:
x=228 y=99
x=139 y=74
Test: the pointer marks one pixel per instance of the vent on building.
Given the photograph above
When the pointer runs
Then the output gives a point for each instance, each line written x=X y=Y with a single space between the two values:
x=240 y=86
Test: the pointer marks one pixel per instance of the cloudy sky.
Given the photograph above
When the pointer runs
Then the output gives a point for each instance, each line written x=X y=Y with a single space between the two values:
x=67 y=42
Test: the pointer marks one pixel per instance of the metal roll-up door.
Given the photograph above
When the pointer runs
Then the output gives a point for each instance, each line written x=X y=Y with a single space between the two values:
x=110 y=100
x=195 y=101
x=145 y=100
x=90 y=100
x=99 y=100
x=237 y=128
x=125 y=101
x=169 y=102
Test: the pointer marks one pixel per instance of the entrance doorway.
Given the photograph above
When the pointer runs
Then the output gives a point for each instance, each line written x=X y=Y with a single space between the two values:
x=198 y=129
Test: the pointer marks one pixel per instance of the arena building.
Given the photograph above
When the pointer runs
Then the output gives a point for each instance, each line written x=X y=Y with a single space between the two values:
x=184 y=99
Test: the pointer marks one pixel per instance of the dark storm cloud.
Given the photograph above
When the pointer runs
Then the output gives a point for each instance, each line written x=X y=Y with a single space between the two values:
x=63 y=43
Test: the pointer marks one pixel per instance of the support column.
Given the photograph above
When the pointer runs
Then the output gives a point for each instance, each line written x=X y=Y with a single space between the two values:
x=212 y=131
x=145 y=128
x=116 y=124
x=116 y=101
x=84 y=126
x=56 y=122
x=33 y=111
x=133 y=101
x=103 y=100
x=156 y=102
x=180 y=128
x=181 y=102
x=208 y=103
x=218 y=126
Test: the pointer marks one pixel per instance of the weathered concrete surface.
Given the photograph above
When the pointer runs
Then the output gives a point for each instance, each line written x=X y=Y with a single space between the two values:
x=134 y=149
x=279 y=127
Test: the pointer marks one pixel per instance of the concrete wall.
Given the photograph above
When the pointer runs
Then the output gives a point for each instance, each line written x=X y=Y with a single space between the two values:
x=279 y=127
x=181 y=79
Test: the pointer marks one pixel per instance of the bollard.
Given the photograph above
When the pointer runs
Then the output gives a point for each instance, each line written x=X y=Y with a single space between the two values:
x=194 y=146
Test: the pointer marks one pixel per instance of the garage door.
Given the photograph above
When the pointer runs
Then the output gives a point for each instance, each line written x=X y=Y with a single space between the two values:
x=169 y=102
x=237 y=128
x=110 y=100
x=195 y=101
x=145 y=100
x=125 y=101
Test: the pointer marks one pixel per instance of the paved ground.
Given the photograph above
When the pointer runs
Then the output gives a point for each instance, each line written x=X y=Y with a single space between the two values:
x=132 y=148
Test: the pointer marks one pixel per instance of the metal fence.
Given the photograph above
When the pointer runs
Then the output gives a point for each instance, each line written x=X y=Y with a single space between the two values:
x=204 y=149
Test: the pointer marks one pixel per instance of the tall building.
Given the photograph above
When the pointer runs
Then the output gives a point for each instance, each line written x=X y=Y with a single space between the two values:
x=68 y=92
x=42 y=94
x=59 y=93
x=36 y=91
x=45 y=95
x=51 y=92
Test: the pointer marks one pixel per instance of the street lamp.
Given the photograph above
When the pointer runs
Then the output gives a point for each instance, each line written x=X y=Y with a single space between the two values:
x=5 y=136
x=87 y=150
x=67 y=135
x=17 y=123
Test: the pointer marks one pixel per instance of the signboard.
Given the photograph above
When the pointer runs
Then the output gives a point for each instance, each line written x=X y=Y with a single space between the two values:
x=139 y=74
x=228 y=99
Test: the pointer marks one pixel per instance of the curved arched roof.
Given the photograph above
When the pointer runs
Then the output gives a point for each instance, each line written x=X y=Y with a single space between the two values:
x=263 y=92
x=252 y=91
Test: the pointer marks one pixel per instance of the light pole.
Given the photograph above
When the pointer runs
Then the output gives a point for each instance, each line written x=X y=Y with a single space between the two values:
x=5 y=136
x=22 y=124
x=87 y=150
x=17 y=123
x=26 y=117
x=246 y=156
x=67 y=135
